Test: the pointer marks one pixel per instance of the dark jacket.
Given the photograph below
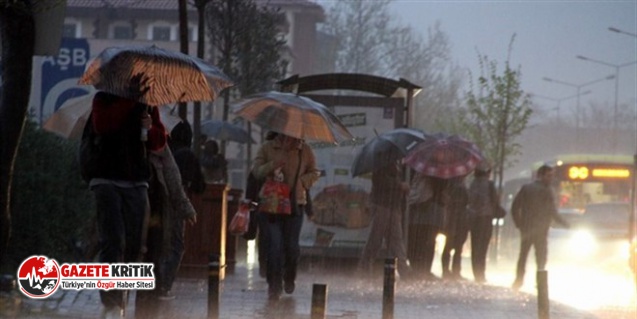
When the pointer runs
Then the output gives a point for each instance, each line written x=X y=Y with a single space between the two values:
x=117 y=152
x=482 y=197
x=386 y=187
x=457 y=209
x=534 y=208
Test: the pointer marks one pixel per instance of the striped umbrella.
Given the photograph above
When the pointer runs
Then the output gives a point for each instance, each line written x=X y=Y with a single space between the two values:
x=155 y=76
x=444 y=156
x=292 y=115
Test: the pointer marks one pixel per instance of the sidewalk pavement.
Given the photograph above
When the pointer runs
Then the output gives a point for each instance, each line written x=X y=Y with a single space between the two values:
x=244 y=295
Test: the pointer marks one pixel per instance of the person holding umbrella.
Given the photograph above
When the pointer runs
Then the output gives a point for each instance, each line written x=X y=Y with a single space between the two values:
x=116 y=140
x=427 y=217
x=281 y=232
x=387 y=202
x=456 y=229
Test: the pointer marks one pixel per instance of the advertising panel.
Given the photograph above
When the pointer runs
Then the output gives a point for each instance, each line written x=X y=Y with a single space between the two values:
x=341 y=220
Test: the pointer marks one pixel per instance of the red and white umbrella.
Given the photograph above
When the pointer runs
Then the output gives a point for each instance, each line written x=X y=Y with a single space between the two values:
x=444 y=156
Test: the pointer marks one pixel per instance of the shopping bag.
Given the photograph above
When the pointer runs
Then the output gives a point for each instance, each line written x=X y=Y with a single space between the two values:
x=241 y=220
x=274 y=197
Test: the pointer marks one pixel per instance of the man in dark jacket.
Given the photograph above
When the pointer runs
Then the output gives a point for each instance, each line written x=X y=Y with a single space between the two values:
x=533 y=210
x=122 y=133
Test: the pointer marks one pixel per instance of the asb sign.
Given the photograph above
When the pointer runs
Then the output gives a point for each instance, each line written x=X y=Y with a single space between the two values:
x=61 y=73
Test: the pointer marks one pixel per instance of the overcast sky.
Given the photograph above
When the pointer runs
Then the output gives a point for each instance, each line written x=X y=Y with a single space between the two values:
x=549 y=36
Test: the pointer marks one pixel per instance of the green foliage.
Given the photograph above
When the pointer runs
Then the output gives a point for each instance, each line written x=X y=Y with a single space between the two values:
x=497 y=114
x=51 y=205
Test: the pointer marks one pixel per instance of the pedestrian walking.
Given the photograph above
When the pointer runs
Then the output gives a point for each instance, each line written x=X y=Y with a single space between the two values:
x=456 y=229
x=387 y=201
x=296 y=161
x=533 y=210
x=483 y=201
x=170 y=206
x=425 y=223
x=113 y=158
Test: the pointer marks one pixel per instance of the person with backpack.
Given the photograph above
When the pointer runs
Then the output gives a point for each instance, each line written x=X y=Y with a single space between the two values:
x=117 y=138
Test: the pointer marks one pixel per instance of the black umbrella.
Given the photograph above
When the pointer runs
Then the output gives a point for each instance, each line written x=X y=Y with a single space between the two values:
x=385 y=149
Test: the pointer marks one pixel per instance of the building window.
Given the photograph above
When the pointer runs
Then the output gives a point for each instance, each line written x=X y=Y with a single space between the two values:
x=122 y=32
x=192 y=34
x=69 y=30
x=161 y=34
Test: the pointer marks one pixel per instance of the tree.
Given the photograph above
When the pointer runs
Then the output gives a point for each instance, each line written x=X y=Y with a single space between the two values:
x=362 y=32
x=246 y=44
x=364 y=39
x=497 y=114
x=17 y=29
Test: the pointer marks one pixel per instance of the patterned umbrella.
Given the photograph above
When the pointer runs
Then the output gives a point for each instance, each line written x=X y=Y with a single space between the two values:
x=155 y=76
x=222 y=130
x=292 y=115
x=386 y=148
x=444 y=156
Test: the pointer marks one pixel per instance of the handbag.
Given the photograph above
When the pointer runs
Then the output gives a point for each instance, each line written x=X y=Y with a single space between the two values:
x=274 y=196
x=241 y=220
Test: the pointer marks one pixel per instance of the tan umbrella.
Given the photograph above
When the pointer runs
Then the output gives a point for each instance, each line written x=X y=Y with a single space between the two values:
x=292 y=115
x=155 y=76
x=69 y=120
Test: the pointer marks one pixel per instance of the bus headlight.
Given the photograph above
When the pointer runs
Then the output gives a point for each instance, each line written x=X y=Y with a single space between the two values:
x=583 y=243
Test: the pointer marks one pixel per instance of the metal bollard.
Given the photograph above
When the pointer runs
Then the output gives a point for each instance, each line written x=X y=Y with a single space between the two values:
x=389 y=286
x=542 y=295
x=213 y=286
x=319 y=301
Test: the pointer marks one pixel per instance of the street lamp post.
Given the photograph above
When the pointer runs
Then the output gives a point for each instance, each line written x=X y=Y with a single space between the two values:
x=632 y=228
x=577 y=107
x=559 y=101
x=617 y=67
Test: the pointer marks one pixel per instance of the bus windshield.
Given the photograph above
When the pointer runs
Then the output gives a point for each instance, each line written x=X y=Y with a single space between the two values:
x=586 y=182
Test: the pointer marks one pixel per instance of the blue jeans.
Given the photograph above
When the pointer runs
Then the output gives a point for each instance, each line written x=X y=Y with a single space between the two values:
x=281 y=242
x=121 y=227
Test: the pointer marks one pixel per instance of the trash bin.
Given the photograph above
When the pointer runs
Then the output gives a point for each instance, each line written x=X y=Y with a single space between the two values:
x=208 y=235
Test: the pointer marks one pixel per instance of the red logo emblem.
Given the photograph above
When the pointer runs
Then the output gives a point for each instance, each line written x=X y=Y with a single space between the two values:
x=38 y=277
